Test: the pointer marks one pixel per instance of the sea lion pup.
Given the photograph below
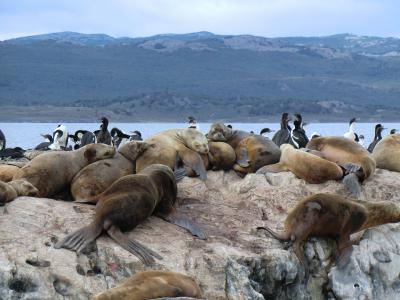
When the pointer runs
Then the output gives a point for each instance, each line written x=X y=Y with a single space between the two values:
x=342 y=150
x=13 y=189
x=387 y=153
x=127 y=203
x=252 y=151
x=332 y=216
x=153 y=284
x=312 y=168
x=98 y=176
x=7 y=172
x=221 y=156
x=187 y=144
x=51 y=172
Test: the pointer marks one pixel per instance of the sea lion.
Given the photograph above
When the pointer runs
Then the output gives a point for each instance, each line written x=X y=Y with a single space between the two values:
x=51 y=172
x=153 y=284
x=387 y=153
x=98 y=176
x=7 y=172
x=221 y=156
x=313 y=168
x=13 y=189
x=127 y=203
x=332 y=216
x=342 y=150
x=252 y=151
x=167 y=146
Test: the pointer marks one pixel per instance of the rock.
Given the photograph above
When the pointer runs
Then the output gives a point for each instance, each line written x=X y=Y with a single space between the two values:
x=235 y=262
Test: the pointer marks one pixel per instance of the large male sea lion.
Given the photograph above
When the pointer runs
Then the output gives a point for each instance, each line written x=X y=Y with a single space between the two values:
x=51 y=172
x=13 y=189
x=7 y=172
x=127 y=203
x=151 y=285
x=98 y=176
x=313 y=168
x=387 y=153
x=333 y=216
x=252 y=151
x=167 y=146
x=342 y=150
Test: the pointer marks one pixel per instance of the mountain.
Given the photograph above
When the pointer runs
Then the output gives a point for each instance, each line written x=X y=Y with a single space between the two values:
x=256 y=77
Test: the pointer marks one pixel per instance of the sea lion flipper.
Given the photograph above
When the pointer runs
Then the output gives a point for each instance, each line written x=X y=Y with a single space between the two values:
x=79 y=239
x=179 y=174
x=193 y=160
x=274 y=168
x=184 y=222
x=137 y=249
x=352 y=184
x=242 y=158
x=87 y=201
x=284 y=236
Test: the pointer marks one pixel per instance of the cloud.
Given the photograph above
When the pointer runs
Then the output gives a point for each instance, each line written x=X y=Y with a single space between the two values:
x=148 y=17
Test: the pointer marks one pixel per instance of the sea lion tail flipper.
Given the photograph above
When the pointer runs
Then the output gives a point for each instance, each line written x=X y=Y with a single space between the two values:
x=242 y=158
x=274 y=168
x=352 y=184
x=194 y=161
x=284 y=236
x=78 y=240
x=134 y=247
x=179 y=174
x=184 y=222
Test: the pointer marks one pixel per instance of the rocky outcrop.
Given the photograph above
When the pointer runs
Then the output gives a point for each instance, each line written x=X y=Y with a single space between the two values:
x=235 y=262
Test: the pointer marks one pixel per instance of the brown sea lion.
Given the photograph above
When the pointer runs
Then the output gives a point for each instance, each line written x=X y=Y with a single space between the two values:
x=7 y=172
x=98 y=176
x=342 y=150
x=52 y=172
x=252 y=151
x=127 y=203
x=167 y=146
x=313 y=168
x=221 y=156
x=387 y=153
x=333 y=216
x=13 y=189
x=151 y=285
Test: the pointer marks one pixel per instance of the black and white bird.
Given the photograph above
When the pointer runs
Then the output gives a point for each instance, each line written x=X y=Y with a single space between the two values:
x=393 y=131
x=378 y=136
x=2 y=140
x=119 y=138
x=48 y=140
x=361 y=140
x=351 y=135
x=16 y=152
x=265 y=131
x=136 y=136
x=60 y=138
x=193 y=123
x=298 y=136
x=282 y=136
x=103 y=135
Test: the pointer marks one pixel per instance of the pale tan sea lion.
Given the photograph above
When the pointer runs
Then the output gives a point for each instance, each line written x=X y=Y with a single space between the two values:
x=166 y=146
x=151 y=285
x=52 y=172
x=7 y=172
x=221 y=156
x=13 y=189
x=387 y=153
x=98 y=176
x=127 y=203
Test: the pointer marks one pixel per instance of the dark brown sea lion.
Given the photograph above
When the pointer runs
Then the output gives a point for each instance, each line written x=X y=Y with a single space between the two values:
x=387 y=153
x=127 y=203
x=151 y=285
x=342 y=150
x=333 y=216
x=166 y=146
x=52 y=172
x=98 y=176
x=13 y=189
x=252 y=151
x=312 y=168
x=7 y=172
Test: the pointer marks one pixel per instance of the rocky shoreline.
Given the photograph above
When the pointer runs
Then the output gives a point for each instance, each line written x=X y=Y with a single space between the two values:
x=235 y=262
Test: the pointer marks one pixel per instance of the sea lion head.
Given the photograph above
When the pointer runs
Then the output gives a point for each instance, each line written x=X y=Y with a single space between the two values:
x=7 y=193
x=95 y=152
x=24 y=188
x=219 y=132
x=196 y=141
x=132 y=150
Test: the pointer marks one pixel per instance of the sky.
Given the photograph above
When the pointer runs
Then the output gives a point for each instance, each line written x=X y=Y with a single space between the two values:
x=270 y=18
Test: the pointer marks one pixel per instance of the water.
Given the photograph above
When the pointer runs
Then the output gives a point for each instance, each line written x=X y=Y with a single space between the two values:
x=27 y=135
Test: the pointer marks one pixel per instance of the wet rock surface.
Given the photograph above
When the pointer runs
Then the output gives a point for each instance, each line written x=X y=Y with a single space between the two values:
x=235 y=262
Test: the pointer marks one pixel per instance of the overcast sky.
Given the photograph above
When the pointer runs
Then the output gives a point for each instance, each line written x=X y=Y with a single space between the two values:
x=148 y=17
